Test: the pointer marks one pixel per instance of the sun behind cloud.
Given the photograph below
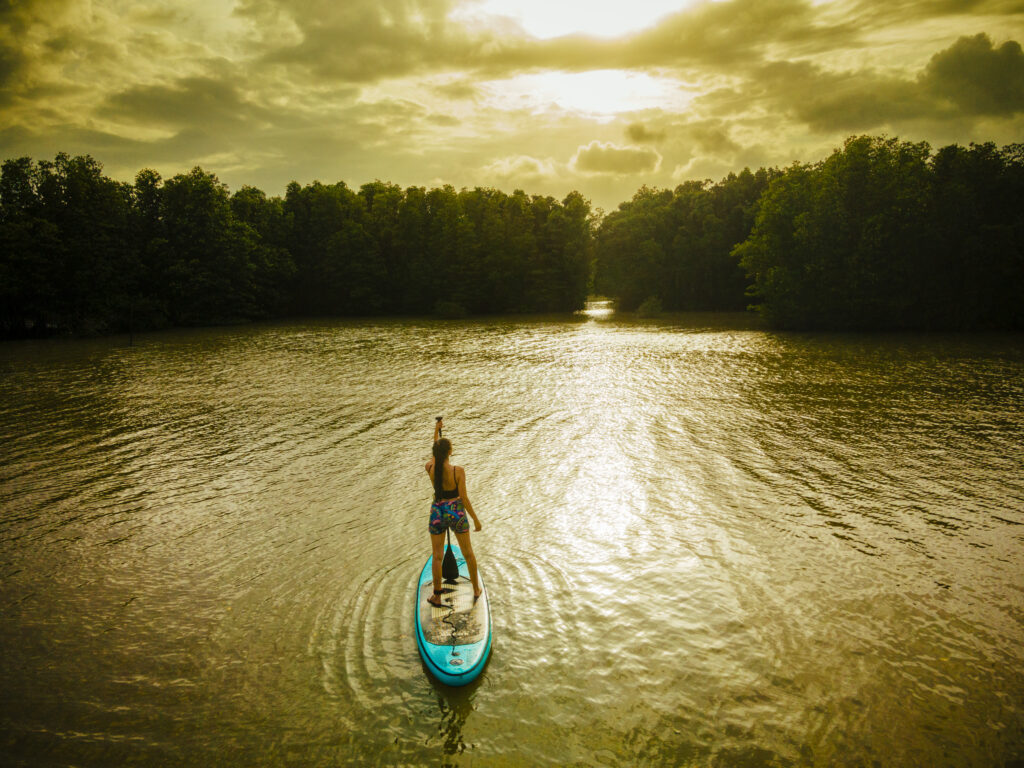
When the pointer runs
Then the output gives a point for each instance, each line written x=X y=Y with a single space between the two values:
x=600 y=93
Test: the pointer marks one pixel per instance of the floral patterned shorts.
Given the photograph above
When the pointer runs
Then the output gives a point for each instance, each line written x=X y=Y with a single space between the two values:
x=448 y=513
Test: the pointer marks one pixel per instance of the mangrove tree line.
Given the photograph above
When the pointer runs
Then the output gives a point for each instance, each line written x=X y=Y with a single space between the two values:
x=676 y=245
x=84 y=253
x=882 y=234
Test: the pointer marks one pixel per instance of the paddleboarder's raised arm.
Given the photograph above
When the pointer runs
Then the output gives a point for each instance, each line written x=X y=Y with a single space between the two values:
x=438 y=424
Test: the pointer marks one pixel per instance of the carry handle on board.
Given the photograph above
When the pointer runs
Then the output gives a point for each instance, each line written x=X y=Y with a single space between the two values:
x=449 y=568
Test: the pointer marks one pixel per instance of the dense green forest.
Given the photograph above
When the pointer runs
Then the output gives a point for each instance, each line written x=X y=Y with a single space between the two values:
x=677 y=245
x=882 y=234
x=83 y=253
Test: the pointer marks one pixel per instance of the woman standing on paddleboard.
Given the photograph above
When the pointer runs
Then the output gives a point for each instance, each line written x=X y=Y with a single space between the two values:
x=451 y=502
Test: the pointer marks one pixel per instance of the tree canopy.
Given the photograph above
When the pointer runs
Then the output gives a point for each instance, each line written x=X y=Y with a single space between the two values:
x=676 y=245
x=83 y=253
x=882 y=234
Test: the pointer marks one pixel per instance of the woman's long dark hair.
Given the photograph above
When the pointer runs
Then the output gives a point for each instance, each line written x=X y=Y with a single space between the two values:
x=442 y=448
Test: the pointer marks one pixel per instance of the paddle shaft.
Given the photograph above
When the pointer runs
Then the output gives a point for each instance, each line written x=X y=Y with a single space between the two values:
x=449 y=566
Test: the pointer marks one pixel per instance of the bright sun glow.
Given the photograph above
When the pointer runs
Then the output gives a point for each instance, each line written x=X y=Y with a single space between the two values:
x=546 y=19
x=604 y=92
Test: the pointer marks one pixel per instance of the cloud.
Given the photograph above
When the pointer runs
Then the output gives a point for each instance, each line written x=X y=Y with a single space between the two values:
x=23 y=31
x=711 y=167
x=969 y=79
x=405 y=90
x=977 y=77
x=683 y=138
x=640 y=134
x=841 y=101
x=19 y=16
x=521 y=169
x=601 y=157
x=12 y=63
x=365 y=40
x=445 y=121
x=459 y=90
x=871 y=15
x=711 y=137
x=188 y=101
x=712 y=33
x=733 y=32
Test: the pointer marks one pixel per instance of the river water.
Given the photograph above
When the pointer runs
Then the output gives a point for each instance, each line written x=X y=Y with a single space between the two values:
x=704 y=544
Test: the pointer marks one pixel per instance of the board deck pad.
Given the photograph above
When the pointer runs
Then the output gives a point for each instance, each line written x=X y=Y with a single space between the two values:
x=463 y=625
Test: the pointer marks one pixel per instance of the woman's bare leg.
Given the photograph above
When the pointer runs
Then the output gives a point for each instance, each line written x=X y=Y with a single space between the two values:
x=467 y=552
x=437 y=547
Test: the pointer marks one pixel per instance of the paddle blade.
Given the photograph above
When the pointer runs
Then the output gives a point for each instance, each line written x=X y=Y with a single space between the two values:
x=450 y=568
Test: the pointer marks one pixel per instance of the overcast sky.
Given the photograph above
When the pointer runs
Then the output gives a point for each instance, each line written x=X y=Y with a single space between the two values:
x=542 y=95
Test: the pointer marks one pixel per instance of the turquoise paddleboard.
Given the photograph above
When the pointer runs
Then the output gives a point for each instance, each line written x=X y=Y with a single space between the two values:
x=454 y=641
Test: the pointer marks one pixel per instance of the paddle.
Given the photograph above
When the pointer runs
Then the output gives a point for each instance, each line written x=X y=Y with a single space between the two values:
x=449 y=568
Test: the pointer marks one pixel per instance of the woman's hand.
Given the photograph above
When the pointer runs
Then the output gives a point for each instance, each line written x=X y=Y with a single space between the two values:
x=476 y=525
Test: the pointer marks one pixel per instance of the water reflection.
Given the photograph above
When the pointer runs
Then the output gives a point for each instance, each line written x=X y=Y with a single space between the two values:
x=599 y=309
x=454 y=705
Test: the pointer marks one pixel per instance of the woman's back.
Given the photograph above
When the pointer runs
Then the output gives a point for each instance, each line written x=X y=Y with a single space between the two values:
x=449 y=484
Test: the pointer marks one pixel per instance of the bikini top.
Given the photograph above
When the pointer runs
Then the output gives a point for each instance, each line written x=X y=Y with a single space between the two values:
x=447 y=495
